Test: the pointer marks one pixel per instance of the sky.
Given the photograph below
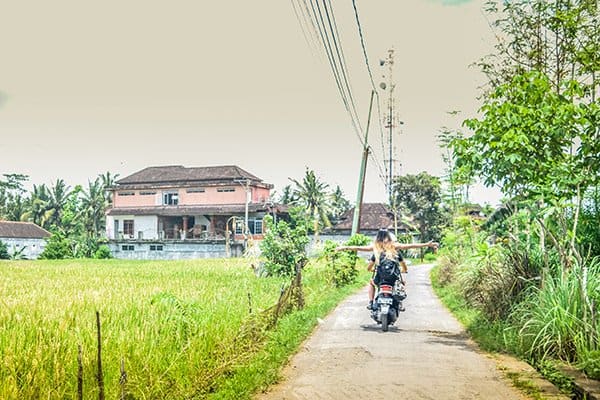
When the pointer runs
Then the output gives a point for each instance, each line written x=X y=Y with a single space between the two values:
x=88 y=87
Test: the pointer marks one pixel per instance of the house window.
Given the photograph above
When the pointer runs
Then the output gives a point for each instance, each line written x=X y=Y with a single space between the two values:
x=128 y=247
x=255 y=226
x=225 y=190
x=195 y=190
x=147 y=193
x=156 y=247
x=170 y=198
x=128 y=227
x=126 y=194
x=258 y=227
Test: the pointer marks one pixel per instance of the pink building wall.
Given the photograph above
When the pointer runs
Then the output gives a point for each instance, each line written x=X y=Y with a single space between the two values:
x=136 y=200
x=211 y=195
x=260 y=195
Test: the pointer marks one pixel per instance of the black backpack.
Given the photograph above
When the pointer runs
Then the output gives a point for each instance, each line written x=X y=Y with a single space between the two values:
x=388 y=270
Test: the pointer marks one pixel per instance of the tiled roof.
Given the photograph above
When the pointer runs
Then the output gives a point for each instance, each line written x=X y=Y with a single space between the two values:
x=373 y=216
x=179 y=173
x=22 y=230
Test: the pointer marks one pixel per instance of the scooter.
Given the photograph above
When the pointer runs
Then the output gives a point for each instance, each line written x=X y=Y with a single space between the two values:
x=387 y=304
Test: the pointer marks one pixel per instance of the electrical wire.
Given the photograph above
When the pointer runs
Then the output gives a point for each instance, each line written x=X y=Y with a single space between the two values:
x=308 y=42
x=378 y=103
x=318 y=16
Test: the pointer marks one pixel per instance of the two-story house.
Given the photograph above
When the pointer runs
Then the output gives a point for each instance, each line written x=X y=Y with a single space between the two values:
x=178 y=212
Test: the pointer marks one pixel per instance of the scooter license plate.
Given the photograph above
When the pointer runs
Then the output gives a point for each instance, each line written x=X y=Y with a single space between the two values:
x=386 y=300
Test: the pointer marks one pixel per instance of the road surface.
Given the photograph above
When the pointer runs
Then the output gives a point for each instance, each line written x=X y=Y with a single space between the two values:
x=425 y=355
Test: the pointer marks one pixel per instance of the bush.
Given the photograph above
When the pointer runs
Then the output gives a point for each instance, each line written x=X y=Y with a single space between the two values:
x=4 y=251
x=57 y=248
x=341 y=266
x=429 y=257
x=284 y=248
x=103 y=252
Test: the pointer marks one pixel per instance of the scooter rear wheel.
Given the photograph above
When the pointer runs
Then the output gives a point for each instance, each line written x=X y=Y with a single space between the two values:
x=384 y=322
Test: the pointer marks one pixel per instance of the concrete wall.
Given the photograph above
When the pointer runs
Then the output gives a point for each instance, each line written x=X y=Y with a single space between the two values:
x=33 y=247
x=171 y=250
x=147 y=225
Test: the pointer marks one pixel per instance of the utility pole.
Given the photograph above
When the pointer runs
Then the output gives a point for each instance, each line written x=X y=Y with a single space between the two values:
x=389 y=62
x=362 y=174
x=246 y=185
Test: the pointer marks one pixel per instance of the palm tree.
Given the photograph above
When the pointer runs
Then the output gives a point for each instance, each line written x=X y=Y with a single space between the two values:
x=93 y=206
x=312 y=194
x=58 y=196
x=339 y=204
x=108 y=181
x=38 y=206
x=287 y=197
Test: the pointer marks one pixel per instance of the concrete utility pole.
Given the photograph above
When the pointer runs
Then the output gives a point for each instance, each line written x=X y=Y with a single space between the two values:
x=246 y=185
x=362 y=174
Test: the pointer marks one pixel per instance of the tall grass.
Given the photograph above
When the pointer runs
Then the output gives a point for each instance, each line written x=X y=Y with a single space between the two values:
x=174 y=323
x=560 y=320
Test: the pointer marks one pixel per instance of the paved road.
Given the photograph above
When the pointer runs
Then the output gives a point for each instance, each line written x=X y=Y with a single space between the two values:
x=426 y=355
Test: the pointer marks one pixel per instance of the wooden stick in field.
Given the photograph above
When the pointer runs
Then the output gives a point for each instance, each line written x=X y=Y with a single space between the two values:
x=79 y=373
x=100 y=375
x=123 y=380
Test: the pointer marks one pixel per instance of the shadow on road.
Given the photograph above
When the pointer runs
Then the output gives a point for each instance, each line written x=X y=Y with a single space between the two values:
x=458 y=340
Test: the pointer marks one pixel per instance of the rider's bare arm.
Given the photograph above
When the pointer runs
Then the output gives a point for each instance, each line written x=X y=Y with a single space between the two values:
x=405 y=246
x=371 y=266
x=354 y=248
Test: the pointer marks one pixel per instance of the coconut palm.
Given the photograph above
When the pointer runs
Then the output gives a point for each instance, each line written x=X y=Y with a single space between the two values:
x=93 y=206
x=58 y=197
x=339 y=204
x=312 y=194
x=38 y=206
x=108 y=181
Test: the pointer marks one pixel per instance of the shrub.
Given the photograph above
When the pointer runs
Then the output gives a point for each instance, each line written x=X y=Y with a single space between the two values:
x=284 y=248
x=4 y=251
x=341 y=266
x=429 y=257
x=57 y=248
x=103 y=252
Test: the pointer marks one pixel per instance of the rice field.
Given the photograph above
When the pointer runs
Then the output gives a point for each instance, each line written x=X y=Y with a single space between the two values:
x=171 y=323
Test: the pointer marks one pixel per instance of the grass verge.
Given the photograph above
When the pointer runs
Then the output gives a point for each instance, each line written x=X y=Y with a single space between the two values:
x=264 y=369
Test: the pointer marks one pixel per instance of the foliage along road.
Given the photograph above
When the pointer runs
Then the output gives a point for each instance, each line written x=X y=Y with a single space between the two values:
x=426 y=355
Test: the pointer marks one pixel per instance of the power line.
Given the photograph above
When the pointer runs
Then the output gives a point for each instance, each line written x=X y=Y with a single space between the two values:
x=324 y=27
x=342 y=58
x=308 y=42
x=366 y=57
x=333 y=64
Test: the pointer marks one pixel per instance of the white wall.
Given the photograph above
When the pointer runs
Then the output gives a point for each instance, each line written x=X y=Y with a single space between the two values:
x=33 y=247
x=110 y=227
x=201 y=220
x=147 y=224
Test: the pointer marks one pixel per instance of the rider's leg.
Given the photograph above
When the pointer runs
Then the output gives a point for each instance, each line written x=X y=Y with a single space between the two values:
x=371 y=293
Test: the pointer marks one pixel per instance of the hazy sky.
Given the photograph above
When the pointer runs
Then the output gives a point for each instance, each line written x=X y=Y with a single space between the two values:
x=94 y=86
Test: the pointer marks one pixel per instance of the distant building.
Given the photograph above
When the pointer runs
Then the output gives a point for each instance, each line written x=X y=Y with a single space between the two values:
x=373 y=217
x=24 y=238
x=178 y=212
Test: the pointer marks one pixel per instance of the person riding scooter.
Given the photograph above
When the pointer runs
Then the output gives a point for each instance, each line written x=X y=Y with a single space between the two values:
x=384 y=247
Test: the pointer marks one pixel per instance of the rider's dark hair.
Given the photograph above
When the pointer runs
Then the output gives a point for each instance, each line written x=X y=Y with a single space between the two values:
x=382 y=235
